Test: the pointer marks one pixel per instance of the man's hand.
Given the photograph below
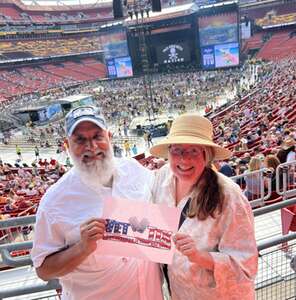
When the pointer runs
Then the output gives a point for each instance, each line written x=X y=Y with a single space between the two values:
x=91 y=231
x=65 y=261
x=186 y=245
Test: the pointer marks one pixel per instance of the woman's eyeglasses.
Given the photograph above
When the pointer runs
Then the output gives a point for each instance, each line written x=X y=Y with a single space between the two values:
x=191 y=152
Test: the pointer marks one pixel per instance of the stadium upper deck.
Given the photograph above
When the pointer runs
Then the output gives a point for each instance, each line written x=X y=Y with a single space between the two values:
x=16 y=12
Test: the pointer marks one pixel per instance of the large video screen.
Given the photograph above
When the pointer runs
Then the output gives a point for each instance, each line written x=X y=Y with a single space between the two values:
x=218 y=29
x=119 y=67
x=114 y=44
x=226 y=55
x=220 y=56
x=218 y=37
x=173 y=53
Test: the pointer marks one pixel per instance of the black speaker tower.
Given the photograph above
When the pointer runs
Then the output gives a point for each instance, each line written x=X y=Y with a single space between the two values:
x=156 y=5
x=117 y=9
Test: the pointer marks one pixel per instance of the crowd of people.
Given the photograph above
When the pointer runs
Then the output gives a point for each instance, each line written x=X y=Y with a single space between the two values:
x=255 y=125
x=21 y=188
x=261 y=129
x=123 y=100
x=252 y=126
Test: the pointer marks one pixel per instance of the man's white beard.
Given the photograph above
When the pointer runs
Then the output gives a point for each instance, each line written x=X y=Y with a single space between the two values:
x=97 y=172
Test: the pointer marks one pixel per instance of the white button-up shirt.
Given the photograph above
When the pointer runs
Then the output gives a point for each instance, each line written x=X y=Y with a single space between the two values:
x=229 y=239
x=70 y=202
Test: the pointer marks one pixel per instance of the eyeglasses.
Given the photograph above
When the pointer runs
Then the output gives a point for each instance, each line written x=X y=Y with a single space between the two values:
x=191 y=152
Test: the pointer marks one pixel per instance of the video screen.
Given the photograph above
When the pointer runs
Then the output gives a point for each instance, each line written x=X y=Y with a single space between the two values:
x=114 y=44
x=111 y=68
x=226 y=55
x=124 y=67
x=119 y=67
x=218 y=29
x=220 y=56
x=53 y=110
x=208 y=57
x=173 y=53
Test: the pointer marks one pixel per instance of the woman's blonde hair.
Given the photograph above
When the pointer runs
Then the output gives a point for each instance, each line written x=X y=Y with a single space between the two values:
x=207 y=195
x=255 y=164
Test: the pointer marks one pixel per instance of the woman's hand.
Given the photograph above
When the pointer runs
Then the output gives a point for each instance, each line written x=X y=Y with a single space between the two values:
x=186 y=245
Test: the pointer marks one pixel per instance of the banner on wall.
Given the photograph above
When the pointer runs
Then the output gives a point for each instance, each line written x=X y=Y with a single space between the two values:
x=245 y=30
x=173 y=53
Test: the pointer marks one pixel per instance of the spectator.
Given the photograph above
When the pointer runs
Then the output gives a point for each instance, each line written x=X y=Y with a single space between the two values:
x=127 y=148
x=66 y=233
x=221 y=264
x=135 y=149
x=18 y=152
x=253 y=181
x=289 y=147
x=271 y=162
x=36 y=150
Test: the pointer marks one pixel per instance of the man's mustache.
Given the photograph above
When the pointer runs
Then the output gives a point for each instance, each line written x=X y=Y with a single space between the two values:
x=91 y=154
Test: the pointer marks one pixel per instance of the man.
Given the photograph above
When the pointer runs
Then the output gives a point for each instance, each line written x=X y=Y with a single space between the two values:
x=18 y=152
x=36 y=150
x=69 y=227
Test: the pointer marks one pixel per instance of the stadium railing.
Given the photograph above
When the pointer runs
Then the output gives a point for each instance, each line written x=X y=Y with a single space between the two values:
x=261 y=180
x=276 y=279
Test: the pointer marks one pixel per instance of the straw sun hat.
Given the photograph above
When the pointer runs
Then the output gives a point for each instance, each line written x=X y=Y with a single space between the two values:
x=190 y=129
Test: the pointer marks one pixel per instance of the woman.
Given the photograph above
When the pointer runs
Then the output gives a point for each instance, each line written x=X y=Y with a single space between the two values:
x=217 y=253
x=287 y=152
x=254 y=181
x=288 y=155
x=271 y=162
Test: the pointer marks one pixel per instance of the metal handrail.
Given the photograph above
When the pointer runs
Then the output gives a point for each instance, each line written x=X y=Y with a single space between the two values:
x=282 y=170
x=274 y=241
x=18 y=221
x=40 y=287
x=263 y=174
x=266 y=209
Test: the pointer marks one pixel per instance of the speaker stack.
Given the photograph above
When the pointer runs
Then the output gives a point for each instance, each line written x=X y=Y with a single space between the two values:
x=117 y=9
x=156 y=5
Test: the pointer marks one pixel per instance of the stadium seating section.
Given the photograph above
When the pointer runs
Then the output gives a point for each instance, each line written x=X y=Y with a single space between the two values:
x=281 y=44
x=16 y=11
x=259 y=12
x=26 y=80
x=277 y=20
x=48 y=47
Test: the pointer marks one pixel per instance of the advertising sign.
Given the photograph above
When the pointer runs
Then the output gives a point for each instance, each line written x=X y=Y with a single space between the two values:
x=208 y=57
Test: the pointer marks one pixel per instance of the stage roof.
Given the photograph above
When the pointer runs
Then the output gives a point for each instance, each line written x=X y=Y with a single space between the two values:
x=169 y=12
